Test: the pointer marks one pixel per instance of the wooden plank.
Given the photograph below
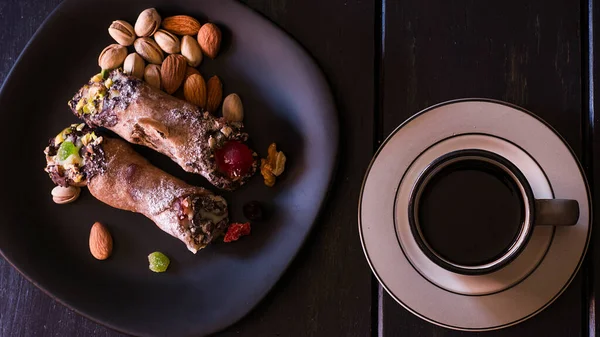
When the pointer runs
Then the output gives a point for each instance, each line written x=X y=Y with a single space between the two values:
x=591 y=31
x=327 y=289
x=523 y=52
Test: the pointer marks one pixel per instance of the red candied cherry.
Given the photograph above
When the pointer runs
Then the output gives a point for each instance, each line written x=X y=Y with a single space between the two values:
x=237 y=230
x=234 y=159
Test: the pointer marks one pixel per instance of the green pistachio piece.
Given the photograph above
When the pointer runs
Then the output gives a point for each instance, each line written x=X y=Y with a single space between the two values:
x=80 y=127
x=66 y=150
x=104 y=73
x=89 y=108
x=97 y=78
x=158 y=261
x=59 y=139
x=108 y=83
x=80 y=104
x=74 y=159
x=86 y=139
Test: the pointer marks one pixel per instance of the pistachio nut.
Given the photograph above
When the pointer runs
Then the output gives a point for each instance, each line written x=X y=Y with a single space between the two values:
x=152 y=75
x=167 y=41
x=190 y=49
x=122 y=32
x=147 y=23
x=148 y=50
x=112 y=56
x=233 y=110
x=134 y=65
x=65 y=195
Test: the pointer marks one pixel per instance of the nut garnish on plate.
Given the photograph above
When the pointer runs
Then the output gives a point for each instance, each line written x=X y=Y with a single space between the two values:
x=101 y=243
x=194 y=90
x=190 y=49
x=233 y=110
x=209 y=38
x=122 y=32
x=172 y=72
x=273 y=166
x=65 y=195
x=149 y=50
x=168 y=42
x=134 y=65
x=112 y=56
x=152 y=75
x=181 y=25
x=214 y=89
x=147 y=22
x=189 y=71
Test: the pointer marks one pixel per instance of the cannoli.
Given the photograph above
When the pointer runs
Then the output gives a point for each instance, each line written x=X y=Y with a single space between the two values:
x=118 y=176
x=197 y=141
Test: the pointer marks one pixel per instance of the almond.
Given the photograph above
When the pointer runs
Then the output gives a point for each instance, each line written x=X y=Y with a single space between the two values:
x=172 y=72
x=101 y=243
x=194 y=90
x=214 y=93
x=190 y=71
x=209 y=38
x=181 y=25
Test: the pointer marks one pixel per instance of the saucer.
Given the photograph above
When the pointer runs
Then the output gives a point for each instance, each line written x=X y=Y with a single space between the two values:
x=472 y=302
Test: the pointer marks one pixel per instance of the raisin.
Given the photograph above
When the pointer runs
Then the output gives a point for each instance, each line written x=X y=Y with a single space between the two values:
x=253 y=211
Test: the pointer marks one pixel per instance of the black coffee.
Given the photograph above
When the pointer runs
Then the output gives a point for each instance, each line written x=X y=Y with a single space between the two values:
x=470 y=212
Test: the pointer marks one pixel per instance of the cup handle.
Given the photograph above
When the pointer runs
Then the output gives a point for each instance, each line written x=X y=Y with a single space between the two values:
x=556 y=212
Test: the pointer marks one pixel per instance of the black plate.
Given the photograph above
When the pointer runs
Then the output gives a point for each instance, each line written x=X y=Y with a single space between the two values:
x=286 y=100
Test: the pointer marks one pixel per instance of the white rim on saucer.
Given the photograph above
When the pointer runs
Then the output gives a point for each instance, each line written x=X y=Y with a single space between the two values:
x=469 y=302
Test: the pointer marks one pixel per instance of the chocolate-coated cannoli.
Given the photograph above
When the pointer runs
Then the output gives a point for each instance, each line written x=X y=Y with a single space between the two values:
x=197 y=141
x=118 y=176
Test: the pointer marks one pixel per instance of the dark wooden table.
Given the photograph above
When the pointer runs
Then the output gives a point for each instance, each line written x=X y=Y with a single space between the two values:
x=385 y=60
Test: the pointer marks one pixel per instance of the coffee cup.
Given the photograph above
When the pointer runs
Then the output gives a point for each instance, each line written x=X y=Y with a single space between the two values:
x=473 y=211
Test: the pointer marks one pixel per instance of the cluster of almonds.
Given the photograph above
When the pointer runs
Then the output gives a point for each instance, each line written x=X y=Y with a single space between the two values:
x=185 y=42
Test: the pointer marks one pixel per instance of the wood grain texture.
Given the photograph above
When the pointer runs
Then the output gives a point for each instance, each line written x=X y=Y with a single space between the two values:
x=524 y=52
x=591 y=96
x=327 y=289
